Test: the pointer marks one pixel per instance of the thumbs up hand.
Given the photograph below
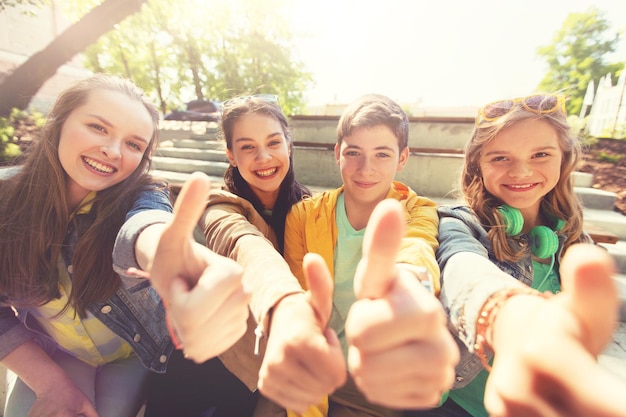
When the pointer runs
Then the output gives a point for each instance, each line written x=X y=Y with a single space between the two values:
x=401 y=354
x=303 y=362
x=545 y=349
x=206 y=302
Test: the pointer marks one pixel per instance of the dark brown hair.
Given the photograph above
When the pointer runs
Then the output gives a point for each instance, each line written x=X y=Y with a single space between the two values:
x=290 y=192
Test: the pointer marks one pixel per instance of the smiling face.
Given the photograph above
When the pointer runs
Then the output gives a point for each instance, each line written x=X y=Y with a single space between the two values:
x=102 y=142
x=261 y=153
x=522 y=164
x=368 y=160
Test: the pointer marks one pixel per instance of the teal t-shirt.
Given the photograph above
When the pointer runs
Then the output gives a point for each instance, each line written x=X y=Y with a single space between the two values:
x=348 y=253
x=470 y=397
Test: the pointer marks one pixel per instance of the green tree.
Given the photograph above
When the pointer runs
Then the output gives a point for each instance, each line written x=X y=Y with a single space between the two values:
x=13 y=3
x=206 y=49
x=577 y=55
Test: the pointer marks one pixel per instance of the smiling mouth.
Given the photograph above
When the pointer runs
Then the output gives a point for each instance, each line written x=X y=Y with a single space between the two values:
x=521 y=187
x=97 y=166
x=266 y=172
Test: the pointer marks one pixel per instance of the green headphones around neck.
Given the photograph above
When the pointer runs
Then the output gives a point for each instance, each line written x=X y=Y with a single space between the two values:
x=543 y=240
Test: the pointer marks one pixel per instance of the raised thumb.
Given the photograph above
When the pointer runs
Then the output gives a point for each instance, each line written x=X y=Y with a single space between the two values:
x=376 y=270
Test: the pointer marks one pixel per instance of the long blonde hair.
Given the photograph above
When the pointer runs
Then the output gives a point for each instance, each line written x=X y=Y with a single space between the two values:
x=560 y=203
x=34 y=215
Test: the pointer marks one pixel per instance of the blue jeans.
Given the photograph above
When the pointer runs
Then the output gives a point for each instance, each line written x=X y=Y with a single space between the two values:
x=117 y=389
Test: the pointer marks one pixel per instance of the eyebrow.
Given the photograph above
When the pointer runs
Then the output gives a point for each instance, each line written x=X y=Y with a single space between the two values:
x=542 y=148
x=245 y=139
x=109 y=124
x=378 y=148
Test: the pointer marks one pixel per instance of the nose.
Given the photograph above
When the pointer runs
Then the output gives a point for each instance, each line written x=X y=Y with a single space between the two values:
x=263 y=155
x=520 y=169
x=111 y=150
x=366 y=166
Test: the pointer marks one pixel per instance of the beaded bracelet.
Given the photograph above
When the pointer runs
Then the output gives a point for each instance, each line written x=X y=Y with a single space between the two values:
x=487 y=315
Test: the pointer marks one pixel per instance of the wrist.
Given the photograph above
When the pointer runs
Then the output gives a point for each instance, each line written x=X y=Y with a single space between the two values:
x=495 y=306
x=283 y=306
x=421 y=273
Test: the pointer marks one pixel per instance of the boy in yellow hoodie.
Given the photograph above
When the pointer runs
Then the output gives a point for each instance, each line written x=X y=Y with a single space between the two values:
x=400 y=352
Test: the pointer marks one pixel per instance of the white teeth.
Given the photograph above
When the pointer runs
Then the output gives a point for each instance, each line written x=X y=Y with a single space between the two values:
x=98 y=166
x=266 y=172
x=520 y=186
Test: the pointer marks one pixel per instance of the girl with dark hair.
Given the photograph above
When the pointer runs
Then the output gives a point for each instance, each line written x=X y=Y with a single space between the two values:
x=244 y=221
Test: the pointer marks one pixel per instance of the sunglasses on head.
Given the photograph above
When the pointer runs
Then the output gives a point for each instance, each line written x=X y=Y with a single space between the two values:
x=270 y=98
x=536 y=103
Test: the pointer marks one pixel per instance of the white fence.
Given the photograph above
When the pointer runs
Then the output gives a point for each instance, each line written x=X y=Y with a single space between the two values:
x=608 y=112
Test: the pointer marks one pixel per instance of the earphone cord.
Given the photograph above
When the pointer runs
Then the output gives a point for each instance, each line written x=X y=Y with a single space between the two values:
x=543 y=281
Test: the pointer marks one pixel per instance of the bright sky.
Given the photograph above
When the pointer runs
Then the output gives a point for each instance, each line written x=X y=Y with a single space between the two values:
x=437 y=53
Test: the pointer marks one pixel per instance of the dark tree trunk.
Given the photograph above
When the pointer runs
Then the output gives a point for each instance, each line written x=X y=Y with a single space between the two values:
x=18 y=88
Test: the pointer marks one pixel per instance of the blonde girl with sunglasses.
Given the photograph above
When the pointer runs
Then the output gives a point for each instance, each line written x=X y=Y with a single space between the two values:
x=530 y=300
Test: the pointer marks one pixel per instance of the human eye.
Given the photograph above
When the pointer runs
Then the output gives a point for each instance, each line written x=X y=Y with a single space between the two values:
x=541 y=155
x=98 y=127
x=499 y=159
x=275 y=142
x=383 y=155
x=351 y=153
x=135 y=146
x=246 y=147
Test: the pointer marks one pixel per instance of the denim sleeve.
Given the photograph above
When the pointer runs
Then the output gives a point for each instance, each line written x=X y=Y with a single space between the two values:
x=150 y=207
x=12 y=332
x=464 y=290
x=456 y=235
x=153 y=199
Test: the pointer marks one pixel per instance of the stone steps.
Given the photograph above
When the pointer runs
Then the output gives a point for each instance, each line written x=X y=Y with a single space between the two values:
x=197 y=144
x=180 y=165
x=608 y=220
x=620 y=280
x=594 y=198
x=192 y=154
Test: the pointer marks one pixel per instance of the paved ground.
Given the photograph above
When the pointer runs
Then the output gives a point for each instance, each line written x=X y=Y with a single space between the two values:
x=614 y=356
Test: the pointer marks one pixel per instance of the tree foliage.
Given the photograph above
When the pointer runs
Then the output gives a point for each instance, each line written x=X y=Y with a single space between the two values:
x=577 y=55
x=14 y=3
x=206 y=49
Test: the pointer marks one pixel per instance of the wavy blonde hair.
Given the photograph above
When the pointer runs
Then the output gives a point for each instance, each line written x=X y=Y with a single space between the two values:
x=560 y=203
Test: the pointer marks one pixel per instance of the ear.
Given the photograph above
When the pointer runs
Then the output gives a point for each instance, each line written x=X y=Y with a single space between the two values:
x=337 y=152
x=229 y=155
x=403 y=159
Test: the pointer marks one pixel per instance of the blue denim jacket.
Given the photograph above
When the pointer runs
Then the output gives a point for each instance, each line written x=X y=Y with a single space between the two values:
x=461 y=231
x=135 y=312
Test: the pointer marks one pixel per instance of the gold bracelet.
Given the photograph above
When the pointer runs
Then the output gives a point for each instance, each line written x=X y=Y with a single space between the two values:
x=487 y=315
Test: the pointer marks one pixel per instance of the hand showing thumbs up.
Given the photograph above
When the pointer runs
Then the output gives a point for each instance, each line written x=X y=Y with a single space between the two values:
x=206 y=302
x=303 y=362
x=401 y=354
x=545 y=361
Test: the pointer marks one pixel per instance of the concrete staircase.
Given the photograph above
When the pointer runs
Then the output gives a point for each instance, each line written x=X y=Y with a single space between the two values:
x=182 y=152
x=599 y=211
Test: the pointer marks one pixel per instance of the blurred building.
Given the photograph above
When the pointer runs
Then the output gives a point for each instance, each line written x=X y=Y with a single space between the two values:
x=25 y=30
